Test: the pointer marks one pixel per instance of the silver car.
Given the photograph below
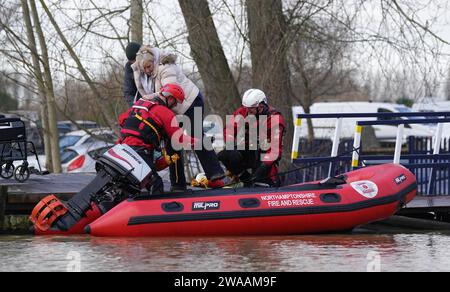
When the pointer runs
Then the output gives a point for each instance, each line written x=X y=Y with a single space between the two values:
x=81 y=159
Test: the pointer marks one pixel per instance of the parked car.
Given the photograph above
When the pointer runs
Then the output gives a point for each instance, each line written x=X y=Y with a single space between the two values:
x=324 y=128
x=215 y=131
x=81 y=159
x=432 y=105
x=64 y=129
x=82 y=137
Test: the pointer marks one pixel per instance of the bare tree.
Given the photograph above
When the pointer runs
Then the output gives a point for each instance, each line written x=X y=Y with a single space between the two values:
x=447 y=85
x=50 y=97
x=319 y=62
x=384 y=36
x=207 y=51
x=105 y=118
x=395 y=37
x=136 y=21
x=42 y=86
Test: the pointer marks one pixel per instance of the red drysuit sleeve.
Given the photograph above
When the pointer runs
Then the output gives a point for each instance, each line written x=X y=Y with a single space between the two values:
x=164 y=117
x=277 y=126
x=231 y=130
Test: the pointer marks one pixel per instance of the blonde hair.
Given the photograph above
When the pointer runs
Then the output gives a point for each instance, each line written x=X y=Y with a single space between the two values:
x=144 y=56
x=151 y=54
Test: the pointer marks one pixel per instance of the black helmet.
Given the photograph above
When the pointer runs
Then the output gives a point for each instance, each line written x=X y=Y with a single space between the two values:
x=132 y=50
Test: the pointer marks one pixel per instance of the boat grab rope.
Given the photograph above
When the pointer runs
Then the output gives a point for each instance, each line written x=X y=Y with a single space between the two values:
x=331 y=159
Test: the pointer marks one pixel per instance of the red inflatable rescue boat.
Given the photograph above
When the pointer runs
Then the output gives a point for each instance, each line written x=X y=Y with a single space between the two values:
x=336 y=204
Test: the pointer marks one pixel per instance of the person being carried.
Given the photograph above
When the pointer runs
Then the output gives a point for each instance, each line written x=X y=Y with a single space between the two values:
x=259 y=154
x=147 y=126
x=154 y=68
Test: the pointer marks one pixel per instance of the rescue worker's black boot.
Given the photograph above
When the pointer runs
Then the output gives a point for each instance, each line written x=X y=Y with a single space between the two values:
x=177 y=175
x=156 y=186
x=246 y=178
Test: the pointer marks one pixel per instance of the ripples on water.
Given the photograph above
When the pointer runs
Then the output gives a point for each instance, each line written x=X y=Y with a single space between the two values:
x=408 y=252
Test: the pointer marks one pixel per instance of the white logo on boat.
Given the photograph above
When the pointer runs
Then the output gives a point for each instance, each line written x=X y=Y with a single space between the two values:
x=205 y=206
x=366 y=188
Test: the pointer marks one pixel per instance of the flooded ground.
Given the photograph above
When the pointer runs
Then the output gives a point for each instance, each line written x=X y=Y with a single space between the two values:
x=351 y=252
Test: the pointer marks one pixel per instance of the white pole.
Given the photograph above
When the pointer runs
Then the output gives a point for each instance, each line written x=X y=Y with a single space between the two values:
x=438 y=137
x=399 y=144
x=356 y=146
x=337 y=138
x=436 y=151
x=296 y=142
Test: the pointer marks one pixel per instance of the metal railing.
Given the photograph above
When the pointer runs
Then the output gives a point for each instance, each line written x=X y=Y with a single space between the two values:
x=439 y=118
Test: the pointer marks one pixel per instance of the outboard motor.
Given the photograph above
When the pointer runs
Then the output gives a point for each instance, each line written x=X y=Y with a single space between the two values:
x=121 y=173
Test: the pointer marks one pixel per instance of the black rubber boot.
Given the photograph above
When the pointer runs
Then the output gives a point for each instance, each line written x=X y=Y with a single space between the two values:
x=156 y=186
x=246 y=178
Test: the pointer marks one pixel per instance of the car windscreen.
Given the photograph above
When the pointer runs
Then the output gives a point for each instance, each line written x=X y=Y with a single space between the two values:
x=63 y=131
x=89 y=125
x=68 y=141
x=106 y=138
x=95 y=154
x=68 y=155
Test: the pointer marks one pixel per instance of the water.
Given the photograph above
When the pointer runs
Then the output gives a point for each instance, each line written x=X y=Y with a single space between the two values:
x=352 y=252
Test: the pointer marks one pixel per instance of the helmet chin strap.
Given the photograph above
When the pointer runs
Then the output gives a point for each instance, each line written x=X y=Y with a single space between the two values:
x=160 y=101
x=265 y=108
x=164 y=102
x=262 y=109
x=174 y=102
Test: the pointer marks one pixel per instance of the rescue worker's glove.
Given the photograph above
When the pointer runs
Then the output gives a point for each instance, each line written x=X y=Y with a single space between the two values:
x=171 y=159
x=201 y=181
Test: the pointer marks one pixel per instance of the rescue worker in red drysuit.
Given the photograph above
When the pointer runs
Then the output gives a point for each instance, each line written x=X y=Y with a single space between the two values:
x=148 y=124
x=263 y=162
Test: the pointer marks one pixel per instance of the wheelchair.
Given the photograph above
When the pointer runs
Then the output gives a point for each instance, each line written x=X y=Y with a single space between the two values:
x=15 y=147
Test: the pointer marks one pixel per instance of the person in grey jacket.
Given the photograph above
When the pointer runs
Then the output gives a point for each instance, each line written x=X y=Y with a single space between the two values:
x=130 y=91
x=155 y=68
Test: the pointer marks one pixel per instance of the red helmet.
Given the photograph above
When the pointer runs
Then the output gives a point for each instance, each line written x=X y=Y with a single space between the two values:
x=174 y=91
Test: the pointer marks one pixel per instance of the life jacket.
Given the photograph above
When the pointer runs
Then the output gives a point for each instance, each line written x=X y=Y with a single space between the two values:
x=269 y=112
x=140 y=124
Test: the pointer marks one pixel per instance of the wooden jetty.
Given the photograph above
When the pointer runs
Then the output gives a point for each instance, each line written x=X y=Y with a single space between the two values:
x=18 y=199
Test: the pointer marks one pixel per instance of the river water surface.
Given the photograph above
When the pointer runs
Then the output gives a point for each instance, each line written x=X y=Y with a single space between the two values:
x=350 y=252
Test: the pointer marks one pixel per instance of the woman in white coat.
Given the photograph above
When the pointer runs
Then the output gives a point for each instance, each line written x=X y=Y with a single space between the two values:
x=152 y=70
